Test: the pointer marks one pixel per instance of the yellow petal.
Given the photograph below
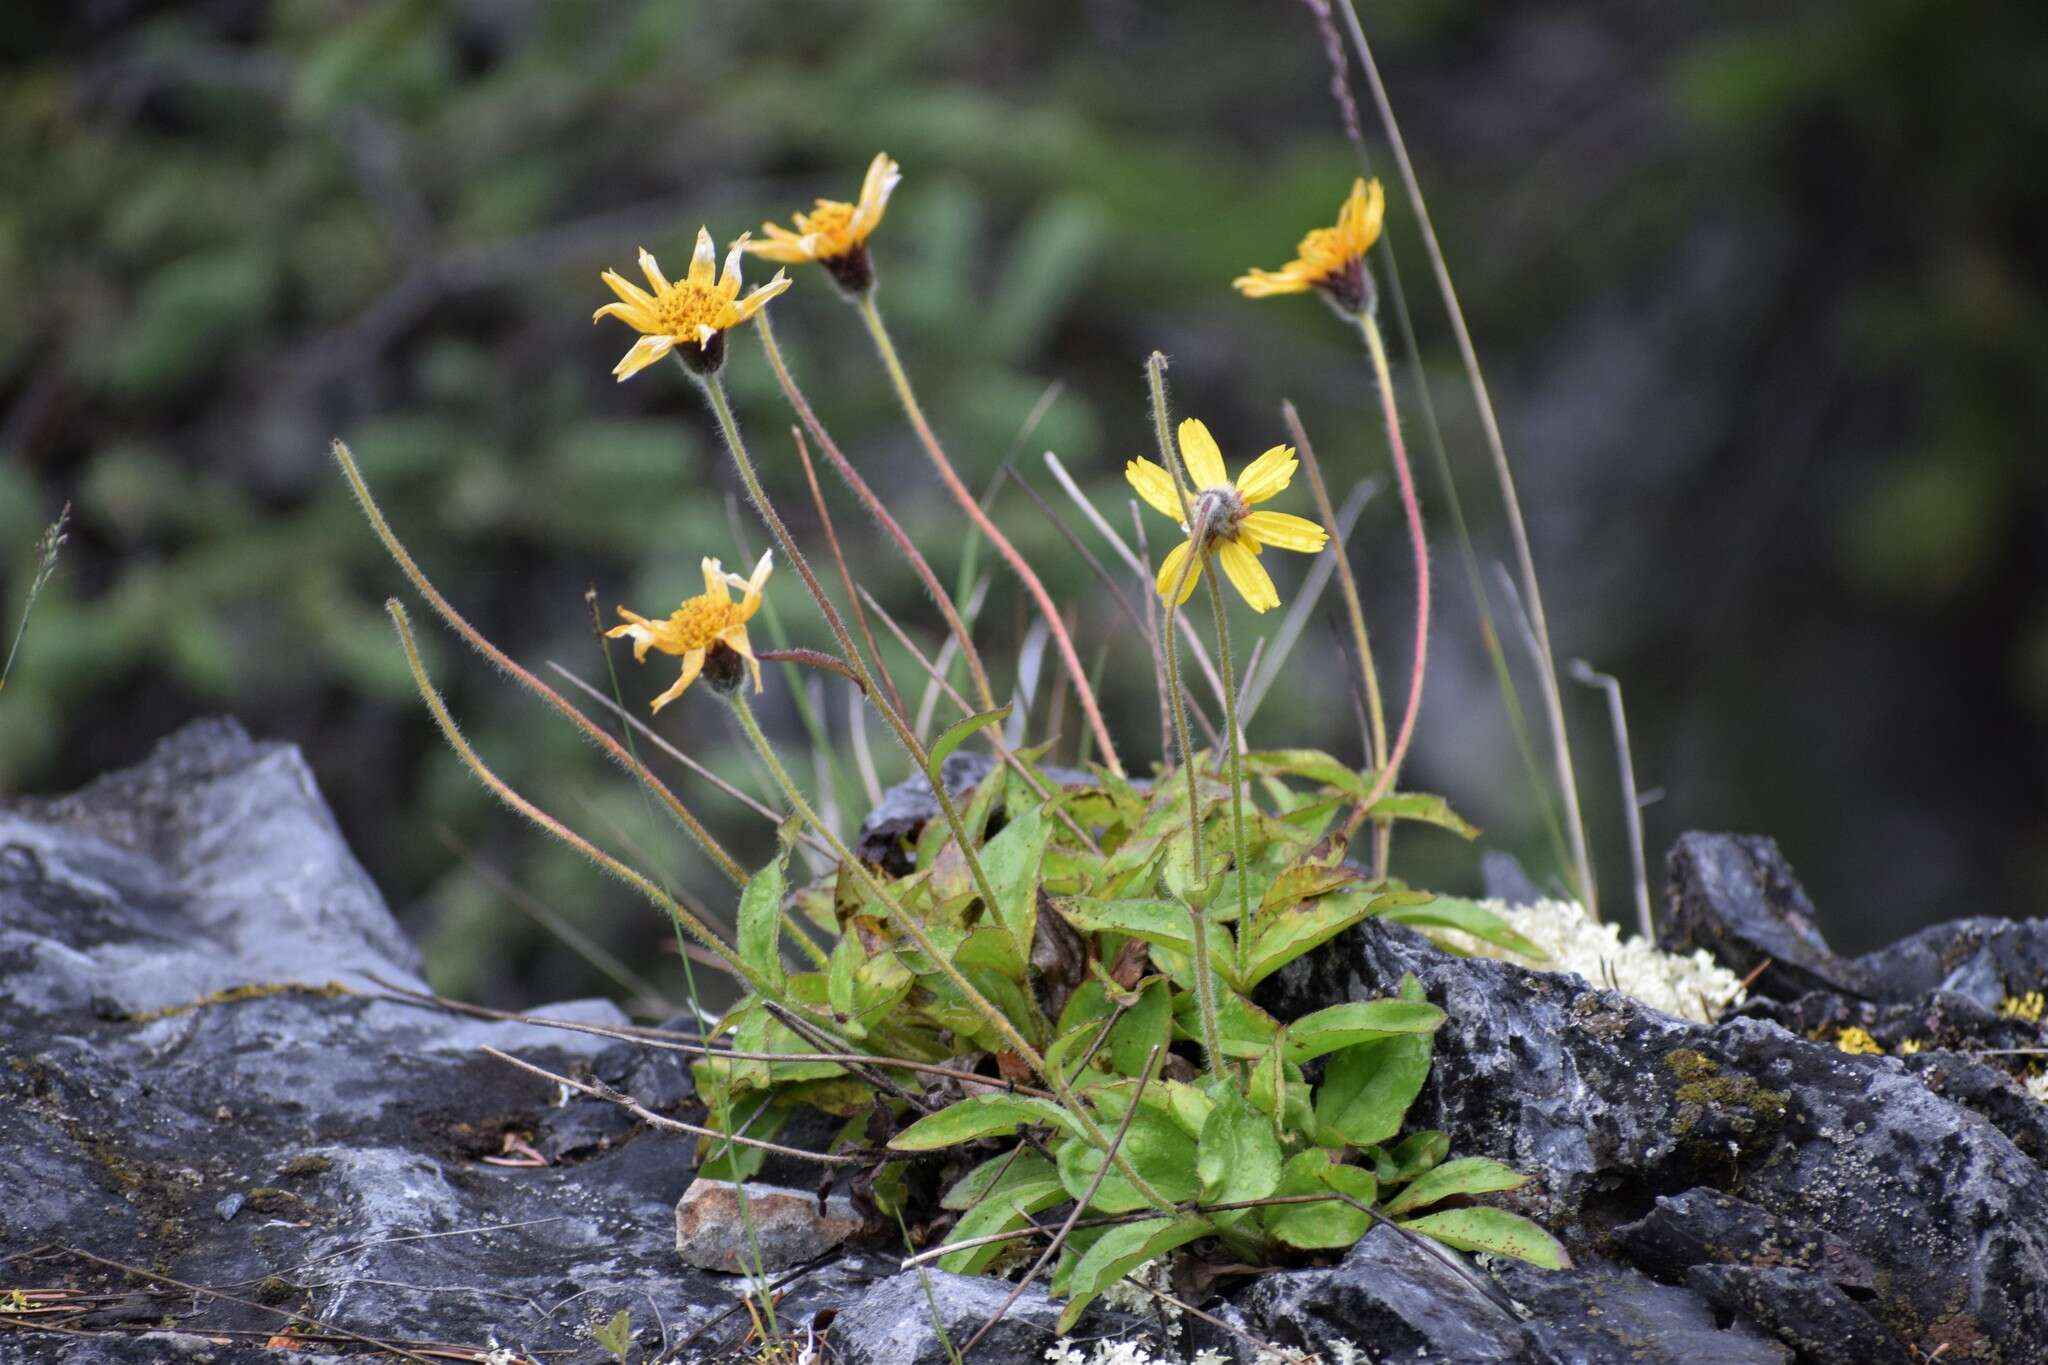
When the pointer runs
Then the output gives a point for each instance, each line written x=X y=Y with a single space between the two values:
x=882 y=177
x=752 y=303
x=1262 y=284
x=628 y=291
x=704 y=260
x=640 y=628
x=735 y=638
x=1199 y=453
x=783 y=246
x=645 y=352
x=730 y=284
x=625 y=312
x=714 y=580
x=1155 y=486
x=1287 y=531
x=653 y=273
x=1363 y=212
x=693 y=664
x=750 y=588
x=1268 y=474
x=1169 y=572
x=1247 y=575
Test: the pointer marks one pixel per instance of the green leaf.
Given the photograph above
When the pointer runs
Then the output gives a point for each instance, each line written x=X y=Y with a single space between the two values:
x=1311 y=764
x=1284 y=935
x=1239 y=1155
x=1120 y=1250
x=760 y=928
x=1012 y=860
x=1157 y=1147
x=958 y=733
x=1242 y=1028
x=980 y=1116
x=998 y=1196
x=1146 y=1025
x=1305 y=881
x=1495 y=1231
x=1449 y=912
x=1466 y=1175
x=1414 y=1154
x=1361 y=1021
x=1367 y=1089
x=1430 y=810
x=1331 y=1224
x=616 y=1336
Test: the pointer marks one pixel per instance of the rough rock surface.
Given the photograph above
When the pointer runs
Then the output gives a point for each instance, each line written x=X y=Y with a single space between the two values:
x=184 y=1093
x=1612 y=1105
x=776 y=1228
x=201 y=1083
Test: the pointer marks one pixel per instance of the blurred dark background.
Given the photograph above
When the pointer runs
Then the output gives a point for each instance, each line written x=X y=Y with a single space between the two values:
x=1758 y=287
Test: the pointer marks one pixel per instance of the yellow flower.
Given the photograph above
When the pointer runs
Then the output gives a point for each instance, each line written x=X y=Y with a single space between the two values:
x=701 y=626
x=833 y=227
x=1856 y=1040
x=699 y=309
x=1221 y=510
x=1910 y=1047
x=2026 y=1008
x=1331 y=259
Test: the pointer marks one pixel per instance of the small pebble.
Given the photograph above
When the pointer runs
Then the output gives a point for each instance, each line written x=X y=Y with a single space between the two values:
x=230 y=1206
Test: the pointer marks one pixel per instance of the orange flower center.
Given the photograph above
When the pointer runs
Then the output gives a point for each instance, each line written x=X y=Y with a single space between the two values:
x=683 y=307
x=831 y=220
x=696 y=623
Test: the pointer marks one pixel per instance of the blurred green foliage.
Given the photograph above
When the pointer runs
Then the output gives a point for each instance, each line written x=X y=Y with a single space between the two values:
x=230 y=232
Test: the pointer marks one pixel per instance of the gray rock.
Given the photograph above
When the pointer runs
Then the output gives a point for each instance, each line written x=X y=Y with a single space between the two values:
x=1601 y=1313
x=1803 y=1308
x=1737 y=897
x=897 y=1322
x=1706 y=1227
x=1984 y=959
x=145 y=1088
x=1609 y=1104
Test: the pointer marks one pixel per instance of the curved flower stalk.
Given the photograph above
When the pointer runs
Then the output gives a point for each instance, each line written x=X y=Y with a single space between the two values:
x=702 y=626
x=1217 y=517
x=835 y=234
x=689 y=318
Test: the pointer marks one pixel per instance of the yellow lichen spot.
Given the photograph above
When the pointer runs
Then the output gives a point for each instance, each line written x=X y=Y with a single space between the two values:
x=1856 y=1040
x=1910 y=1047
x=2026 y=1008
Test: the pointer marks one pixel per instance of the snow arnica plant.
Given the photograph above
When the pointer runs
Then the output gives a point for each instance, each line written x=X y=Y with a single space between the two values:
x=1046 y=999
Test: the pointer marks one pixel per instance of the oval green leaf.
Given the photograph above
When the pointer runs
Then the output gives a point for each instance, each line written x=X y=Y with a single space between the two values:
x=1494 y=1231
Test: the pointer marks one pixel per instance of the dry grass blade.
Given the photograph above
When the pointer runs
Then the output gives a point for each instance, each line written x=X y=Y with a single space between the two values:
x=1631 y=804
x=1342 y=522
x=648 y=733
x=1490 y=425
x=599 y=1091
x=48 y=545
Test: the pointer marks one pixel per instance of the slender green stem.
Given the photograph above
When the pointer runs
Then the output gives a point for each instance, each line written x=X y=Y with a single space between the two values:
x=596 y=733
x=714 y=394
x=1412 y=507
x=699 y=930
x=902 y=919
x=1198 y=936
x=1376 y=712
x=898 y=377
x=1231 y=741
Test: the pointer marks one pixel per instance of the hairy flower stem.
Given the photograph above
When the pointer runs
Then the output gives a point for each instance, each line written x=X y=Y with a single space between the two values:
x=1233 y=744
x=699 y=930
x=907 y=922
x=446 y=610
x=1376 y=712
x=1198 y=936
x=1413 y=508
x=878 y=510
x=1083 y=692
x=714 y=394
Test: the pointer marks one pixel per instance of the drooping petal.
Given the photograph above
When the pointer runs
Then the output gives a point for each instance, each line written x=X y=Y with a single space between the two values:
x=1247 y=575
x=704 y=260
x=693 y=664
x=645 y=352
x=1169 y=573
x=1199 y=453
x=1268 y=474
x=735 y=638
x=639 y=628
x=1155 y=486
x=1261 y=284
x=629 y=292
x=750 y=588
x=1286 y=531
